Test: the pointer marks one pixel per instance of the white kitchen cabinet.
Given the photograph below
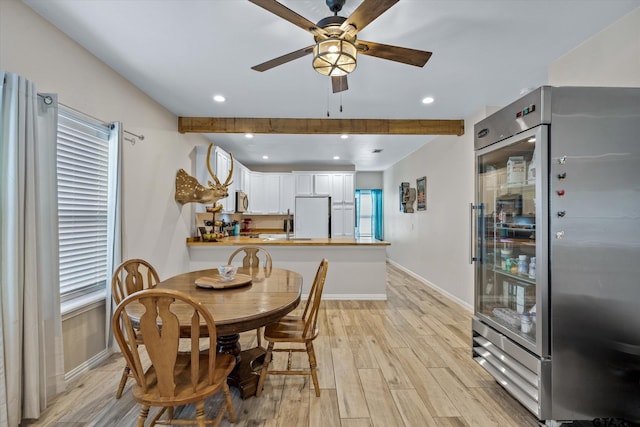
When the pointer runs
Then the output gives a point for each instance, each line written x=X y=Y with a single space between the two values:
x=343 y=220
x=313 y=183
x=271 y=182
x=303 y=184
x=257 y=196
x=342 y=190
x=287 y=193
x=322 y=184
x=222 y=168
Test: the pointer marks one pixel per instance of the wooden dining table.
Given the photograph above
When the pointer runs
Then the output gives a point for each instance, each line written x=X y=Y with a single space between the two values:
x=266 y=298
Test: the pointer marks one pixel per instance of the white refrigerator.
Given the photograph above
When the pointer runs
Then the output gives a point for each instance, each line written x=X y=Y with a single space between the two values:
x=312 y=217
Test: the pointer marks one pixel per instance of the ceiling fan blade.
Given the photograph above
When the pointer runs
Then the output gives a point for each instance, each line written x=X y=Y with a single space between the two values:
x=283 y=59
x=339 y=83
x=287 y=14
x=394 y=53
x=365 y=13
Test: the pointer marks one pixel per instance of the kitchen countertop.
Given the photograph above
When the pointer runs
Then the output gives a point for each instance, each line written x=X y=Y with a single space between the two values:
x=281 y=241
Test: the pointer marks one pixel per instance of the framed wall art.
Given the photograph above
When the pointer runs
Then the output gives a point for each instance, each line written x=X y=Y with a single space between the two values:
x=421 y=189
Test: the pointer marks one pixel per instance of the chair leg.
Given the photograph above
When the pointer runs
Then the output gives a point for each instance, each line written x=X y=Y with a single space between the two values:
x=123 y=381
x=312 y=364
x=265 y=368
x=144 y=413
x=229 y=404
x=200 y=414
x=259 y=336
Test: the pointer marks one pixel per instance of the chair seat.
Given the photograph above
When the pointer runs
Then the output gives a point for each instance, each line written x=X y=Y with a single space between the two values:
x=289 y=329
x=184 y=393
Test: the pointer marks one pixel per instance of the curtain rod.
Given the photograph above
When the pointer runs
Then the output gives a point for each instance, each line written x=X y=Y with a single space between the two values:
x=48 y=100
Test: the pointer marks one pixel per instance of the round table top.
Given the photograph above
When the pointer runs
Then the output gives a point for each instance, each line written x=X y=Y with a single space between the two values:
x=263 y=301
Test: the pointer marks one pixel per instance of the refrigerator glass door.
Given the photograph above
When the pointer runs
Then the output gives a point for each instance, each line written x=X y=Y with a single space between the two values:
x=510 y=263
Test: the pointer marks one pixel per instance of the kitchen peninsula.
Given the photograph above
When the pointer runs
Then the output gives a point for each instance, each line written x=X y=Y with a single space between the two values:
x=356 y=266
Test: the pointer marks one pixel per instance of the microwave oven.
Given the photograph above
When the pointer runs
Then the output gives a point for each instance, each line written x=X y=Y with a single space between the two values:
x=242 y=202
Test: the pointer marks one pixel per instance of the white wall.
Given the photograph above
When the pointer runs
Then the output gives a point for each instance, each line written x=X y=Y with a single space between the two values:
x=369 y=180
x=155 y=226
x=434 y=244
x=610 y=58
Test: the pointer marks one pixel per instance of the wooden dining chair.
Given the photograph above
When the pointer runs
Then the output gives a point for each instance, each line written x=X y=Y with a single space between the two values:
x=131 y=276
x=296 y=330
x=173 y=378
x=252 y=259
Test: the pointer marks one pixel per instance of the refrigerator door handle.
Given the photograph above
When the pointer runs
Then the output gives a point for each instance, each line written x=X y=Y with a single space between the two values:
x=472 y=256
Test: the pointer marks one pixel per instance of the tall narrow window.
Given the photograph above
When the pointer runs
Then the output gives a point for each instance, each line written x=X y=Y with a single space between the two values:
x=83 y=204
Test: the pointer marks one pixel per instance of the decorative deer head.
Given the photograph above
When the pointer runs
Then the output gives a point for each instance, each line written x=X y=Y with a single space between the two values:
x=189 y=190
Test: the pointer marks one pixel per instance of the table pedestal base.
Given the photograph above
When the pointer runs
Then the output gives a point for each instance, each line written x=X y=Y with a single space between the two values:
x=243 y=377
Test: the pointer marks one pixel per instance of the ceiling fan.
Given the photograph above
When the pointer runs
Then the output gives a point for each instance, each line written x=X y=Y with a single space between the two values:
x=336 y=45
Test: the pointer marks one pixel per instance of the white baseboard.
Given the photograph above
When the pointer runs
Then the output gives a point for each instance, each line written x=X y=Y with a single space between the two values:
x=424 y=281
x=86 y=366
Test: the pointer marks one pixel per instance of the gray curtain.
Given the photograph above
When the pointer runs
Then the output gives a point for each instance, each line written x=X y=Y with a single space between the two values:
x=114 y=226
x=31 y=350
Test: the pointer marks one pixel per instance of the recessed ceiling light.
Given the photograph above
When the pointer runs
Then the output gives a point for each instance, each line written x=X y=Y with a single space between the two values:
x=248 y=135
x=336 y=157
x=344 y=136
x=219 y=98
x=265 y=157
x=427 y=100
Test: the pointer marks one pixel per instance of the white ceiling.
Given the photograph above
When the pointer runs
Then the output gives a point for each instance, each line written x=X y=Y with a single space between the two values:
x=182 y=52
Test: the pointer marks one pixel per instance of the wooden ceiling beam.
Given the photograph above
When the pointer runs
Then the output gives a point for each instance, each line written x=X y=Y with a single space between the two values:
x=320 y=126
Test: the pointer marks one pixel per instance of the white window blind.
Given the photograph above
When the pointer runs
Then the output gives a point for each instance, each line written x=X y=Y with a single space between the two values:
x=83 y=176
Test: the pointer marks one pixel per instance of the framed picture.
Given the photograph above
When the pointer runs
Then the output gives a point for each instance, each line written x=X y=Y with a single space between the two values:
x=404 y=191
x=421 y=189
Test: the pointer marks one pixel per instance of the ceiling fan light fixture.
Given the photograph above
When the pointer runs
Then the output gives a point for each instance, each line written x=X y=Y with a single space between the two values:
x=334 y=57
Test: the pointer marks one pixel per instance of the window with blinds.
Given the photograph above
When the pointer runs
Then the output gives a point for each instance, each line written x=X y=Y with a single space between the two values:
x=83 y=196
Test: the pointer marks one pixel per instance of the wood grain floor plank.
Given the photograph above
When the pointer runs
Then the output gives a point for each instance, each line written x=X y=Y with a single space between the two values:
x=433 y=396
x=351 y=400
x=322 y=348
x=379 y=399
x=323 y=410
x=469 y=406
x=356 y=422
x=389 y=365
x=412 y=409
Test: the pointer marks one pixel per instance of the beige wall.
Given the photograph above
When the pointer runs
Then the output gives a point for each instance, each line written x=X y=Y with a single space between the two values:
x=155 y=226
x=434 y=245
x=610 y=58
x=369 y=180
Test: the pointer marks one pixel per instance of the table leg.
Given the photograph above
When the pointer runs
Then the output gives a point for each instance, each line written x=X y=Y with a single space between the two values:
x=246 y=374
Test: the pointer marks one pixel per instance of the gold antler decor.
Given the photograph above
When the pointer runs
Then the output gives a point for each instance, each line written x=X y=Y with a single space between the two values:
x=189 y=190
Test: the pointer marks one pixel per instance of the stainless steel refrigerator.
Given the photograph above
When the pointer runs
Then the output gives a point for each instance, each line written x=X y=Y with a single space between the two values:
x=312 y=217
x=556 y=248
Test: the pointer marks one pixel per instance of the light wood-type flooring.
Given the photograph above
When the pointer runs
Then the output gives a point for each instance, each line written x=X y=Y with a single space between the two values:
x=401 y=362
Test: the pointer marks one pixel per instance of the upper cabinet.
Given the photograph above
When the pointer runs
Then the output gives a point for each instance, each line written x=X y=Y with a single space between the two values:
x=313 y=183
x=322 y=184
x=287 y=193
x=303 y=183
x=342 y=188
